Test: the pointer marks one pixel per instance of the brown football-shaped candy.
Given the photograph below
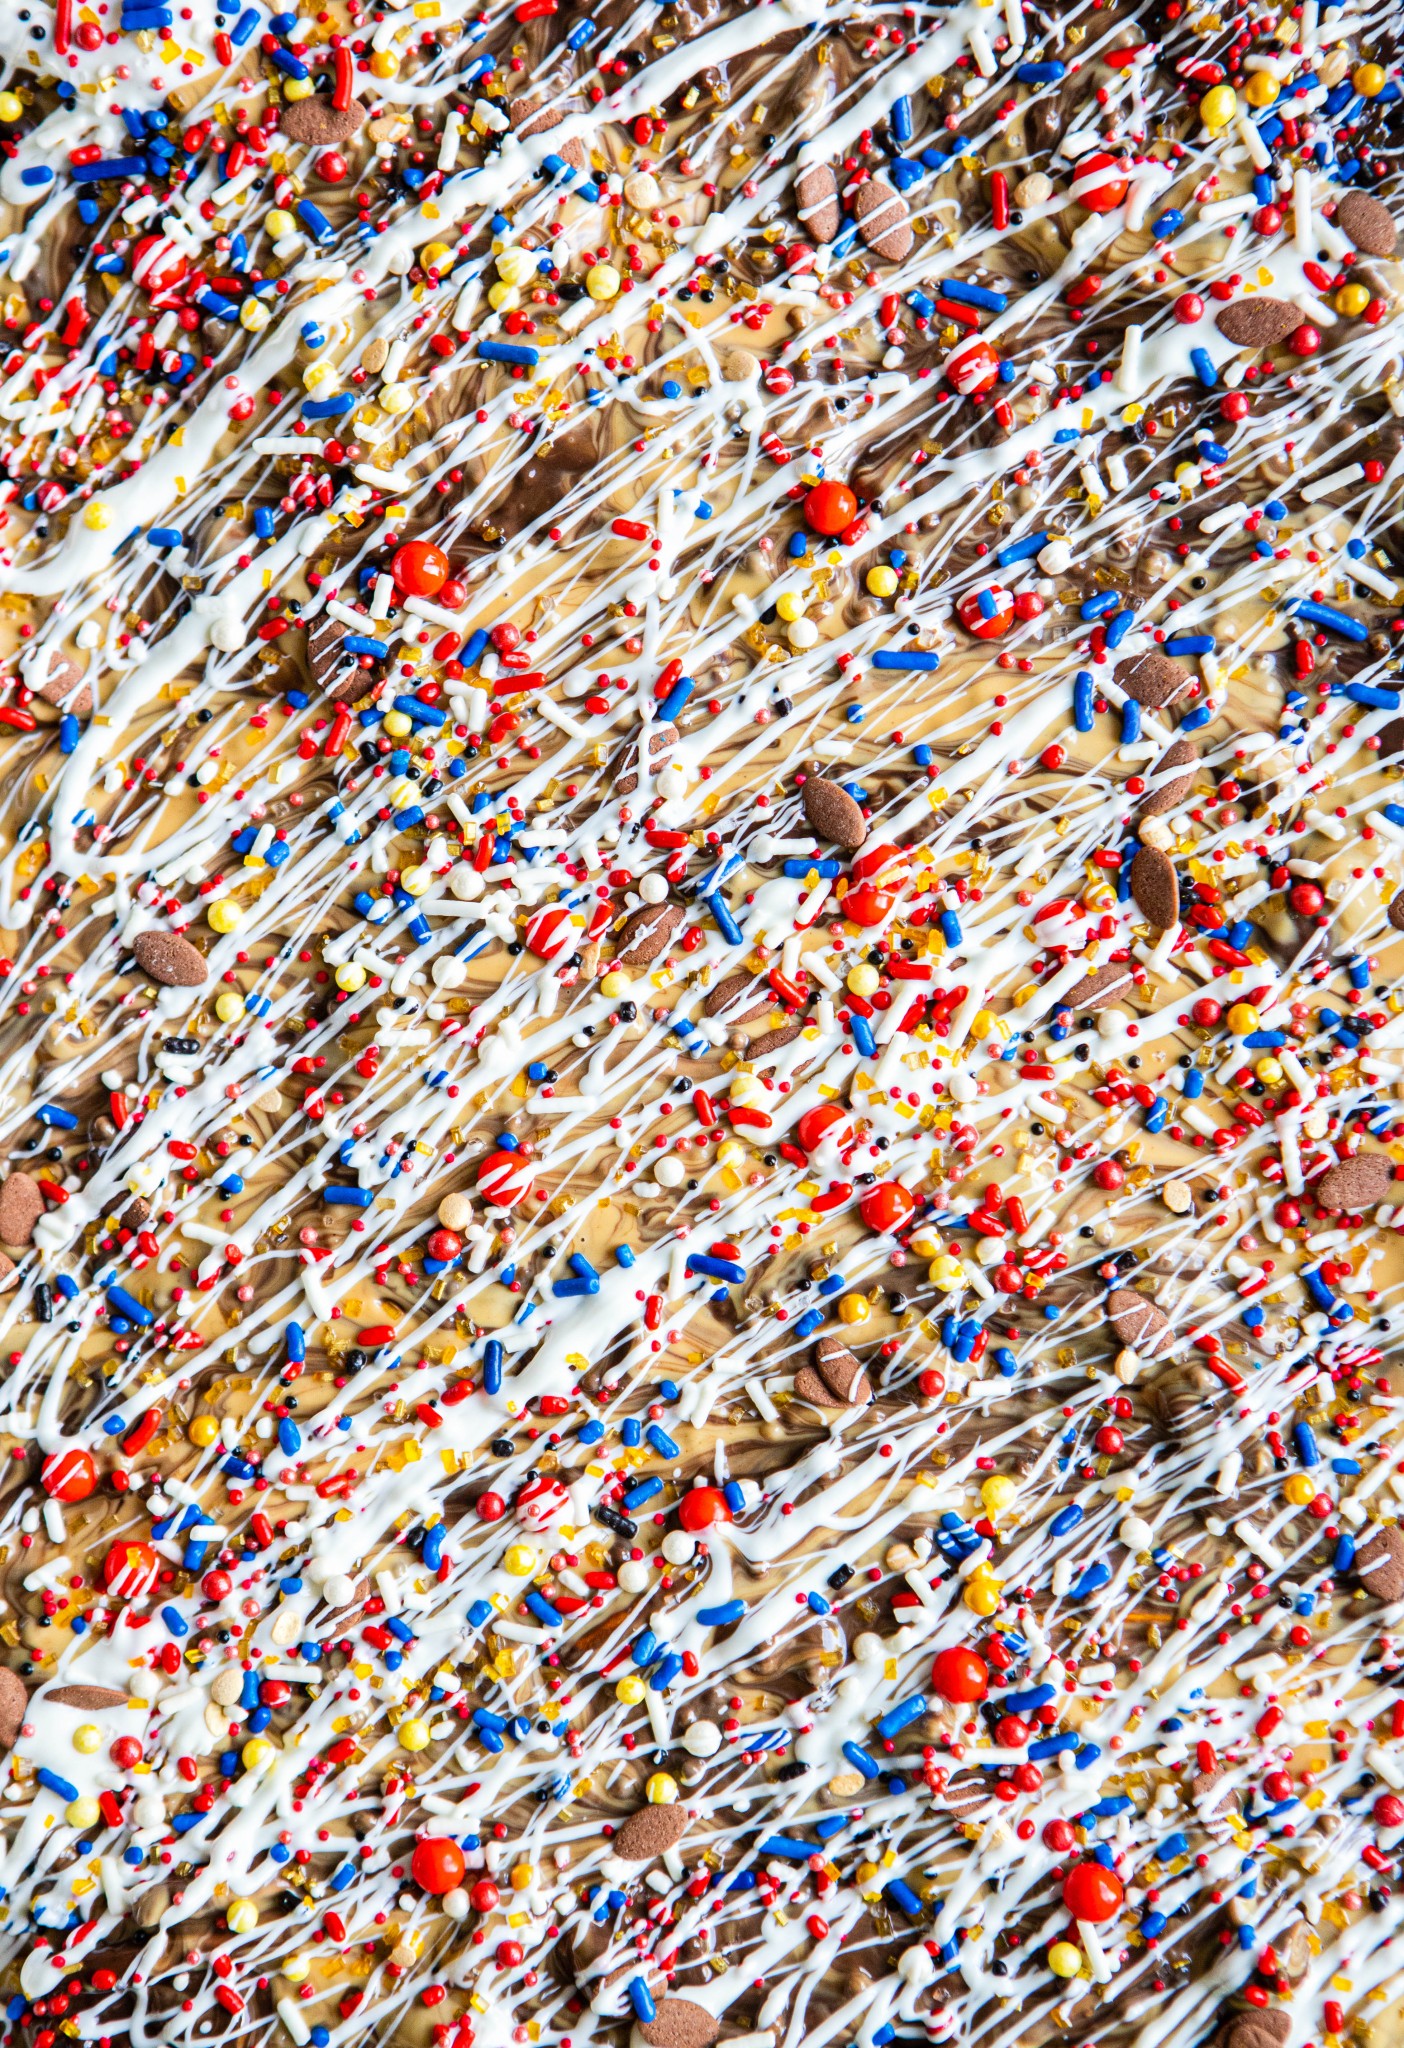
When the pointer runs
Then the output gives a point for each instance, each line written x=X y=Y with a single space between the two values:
x=646 y=932
x=1258 y=322
x=649 y=1832
x=817 y=202
x=21 y=1206
x=730 y=1000
x=1355 y=1184
x=1183 y=757
x=662 y=739
x=831 y=812
x=1155 y=887
x=841 y=1372
x=1380 y=1563
x=884 y=221
x=1137 y=1322
x=1368 y=223
x=169 y=959
x=89 y=1699
x=316 y=121
x=1152 y=679
x=680 y=2023
x=14 y=1704
x=1102 y=987
x=64 y=687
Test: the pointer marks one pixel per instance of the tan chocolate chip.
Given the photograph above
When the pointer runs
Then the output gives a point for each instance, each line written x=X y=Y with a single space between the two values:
x=1102 y=987
x=680 y=2023
x=1155 y=887
x=816 y=199
x=645 y=934
x=1380 y=1563
x=1355 y=1184
x=737 y=365
x=1169 y=795
x=841 y=1372
x=883 y=220
x=228 y=1685
x=649 y=1832
x=1137 y=1322
x=726 y=998
x=1368 y=223
x=89 y=1699
x=373 y=358
x=14 y=1704
x=64 y=687
x=662 y=739
x=1152 y=679
x=170 y=959
x=315 y=120
x=831 y=812
x=21 y=1206
x=1258 y=322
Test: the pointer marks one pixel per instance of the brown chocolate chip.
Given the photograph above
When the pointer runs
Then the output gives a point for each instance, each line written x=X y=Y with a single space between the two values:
x=649 y=1832
x=64 y=687
x=1355 y=1184
x=14 y=1705
x=169 y=959
x=831 y=812
x=1368 y=223
x=530 y=117
x=1137 y=1322
x=21 y=1206
x=1156 y=887
x=646 y=933
x=761 y=1047
x=1182 y=755
x=1258 y=322
x=9 y=1273
x=680 y=2023
x=135 y=1214
x=331 y=668
x=89 y=1699
x=883 y=220
x=1103 y=986
x=1266 y=2029
x=1152 y=679
x=810 y=1386
x=816 y=197
x=842 y=1373
x=374 y=357
x=317 y=121
x=1380 y=1563
x=727 y=998
x=662 y=739
x=1396 y=911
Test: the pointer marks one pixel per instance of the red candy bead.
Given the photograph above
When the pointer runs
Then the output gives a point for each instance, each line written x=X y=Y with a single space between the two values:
x=887 y=1206
x=216 y=1585
x=1188 y=308
x=1304 y=340
x=701 y=1506
x=830 y=507
x=504 y=1178
x=69 y=1475
x=1011 y=1731
x=444 y=1245
x=1305 y=898
x=1388 y=1811
x=507 y=1954
x=1058 y=1836
x=1099 y=182
x=484 y=1894
x=1109 y=1441
x=1206 y=1012
x=1092 y=1892
x=437 y=1865
x=332 y=166
x=157 y=264
x=129 y=1568
x=419 y=568
x=125 y=1752
x=960 y=1675
x=932 y=1383
x=972 y=367
x=986 y=624
x=491 y=1507
x=817 y=1124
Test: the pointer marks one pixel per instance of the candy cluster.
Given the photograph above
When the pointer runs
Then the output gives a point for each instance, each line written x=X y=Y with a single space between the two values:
x=700 y=1028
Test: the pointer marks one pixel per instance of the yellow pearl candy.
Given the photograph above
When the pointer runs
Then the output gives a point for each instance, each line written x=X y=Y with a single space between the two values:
x=1243 y=1018
x=417 y=879
x=396 y=399
x=438 y=257
x=520 y=1560
x=384 y=64
x=298 y=88
x=616 y=982
x=1064 y=1960
x=279 y=222
x=522 y=1876
x=999 y=1493
x=242 y=1916
x=789 y=605
x=630 y=1691
x=229 y=1008
x=254 y=316
x=398 y=724
x=1352 y=299
x=1269 y=1071
x=1261 y=89
x=981 y=1594
x=1299 y=1489
x=502 y=297
x=603 y=281
x=82 y=1813
x=881 y=581
x=87 y=1740
x=661 y=1790
x=1368 y=80
x=203 y=1431
x=350 y=976
x=413 y=1733
x=319 y=374
x=853 y=1309
x=224 y=916
x=11 y=107
x=515 y=266
x=1218 y=106
x=96 y=517
x=295 y=1968
x=256 y=1752
x=862 y=979
x=946 y=1272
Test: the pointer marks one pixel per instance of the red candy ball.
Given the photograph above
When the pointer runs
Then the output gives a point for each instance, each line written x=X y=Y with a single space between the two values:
x=125 y=1752
x=69 y=1475
x=444 y=1245
x=932 y=1383
x=484 y=1894
x=157 y=264
x=507 y=1954
x=332 y=166
x=868 y=905
x=1092 y=1892
x=419 y=568
x=453 y=595
x=972 y=367
x=129 y=1568
x=1099 y=182
x=1304 y=340
x=960 y=1675
x=491 y=1507
x=817 y=1123
x=1109 y=1441
x=990 y=620
x=1011 y=1731
x=1305 y=898
x=1288 y=1214
x=1108 y=1174
x=1206 y=1012
x=1388 y=1811
x=830 y=507
x=1188 y=308
x=1058 y=1836
x=437 y=1865
x=702 y=1506
x=216 y=1585
x=887 y=1206
x=504 y=1178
